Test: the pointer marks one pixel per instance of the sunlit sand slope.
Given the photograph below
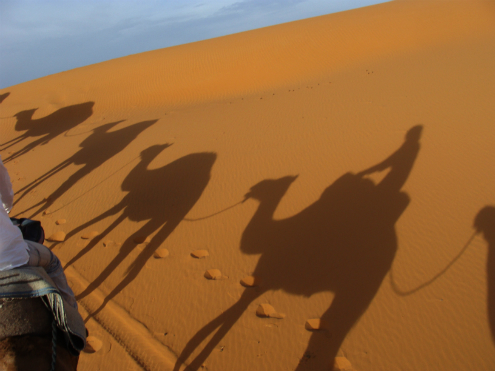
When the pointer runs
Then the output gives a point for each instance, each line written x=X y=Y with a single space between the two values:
x=344 y=161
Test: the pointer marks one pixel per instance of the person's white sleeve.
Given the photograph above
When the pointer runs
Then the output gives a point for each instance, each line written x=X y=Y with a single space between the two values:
x=13 y=248
x=6 y=191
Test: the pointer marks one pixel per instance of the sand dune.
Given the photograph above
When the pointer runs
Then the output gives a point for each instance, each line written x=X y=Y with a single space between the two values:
x=334 y=175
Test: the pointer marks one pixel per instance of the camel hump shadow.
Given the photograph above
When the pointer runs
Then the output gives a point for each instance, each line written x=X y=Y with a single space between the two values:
x=103 y=143
x=172 y=189
x=344 y=243
x=95 y=150
x=59 y=121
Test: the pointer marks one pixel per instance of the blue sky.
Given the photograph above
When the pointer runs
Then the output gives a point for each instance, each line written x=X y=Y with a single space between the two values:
x=43 y=37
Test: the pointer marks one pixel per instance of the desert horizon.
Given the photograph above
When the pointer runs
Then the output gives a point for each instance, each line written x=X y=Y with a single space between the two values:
x=276 y=198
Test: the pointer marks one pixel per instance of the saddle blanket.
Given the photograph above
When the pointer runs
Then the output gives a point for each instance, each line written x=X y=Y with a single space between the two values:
x=33 y=282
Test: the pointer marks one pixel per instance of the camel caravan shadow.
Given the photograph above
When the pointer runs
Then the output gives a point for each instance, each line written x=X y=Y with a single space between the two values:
x=100 y=146
x=344 y=243
x=46 y=128
x=162 y=197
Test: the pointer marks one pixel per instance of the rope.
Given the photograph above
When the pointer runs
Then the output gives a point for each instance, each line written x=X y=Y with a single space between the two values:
x=54 y=344
x=400 y=292
x=218 y=212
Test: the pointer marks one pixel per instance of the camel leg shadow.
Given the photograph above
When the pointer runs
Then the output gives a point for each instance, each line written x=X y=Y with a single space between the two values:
x=224 y=322
x=29 y=187
x=16 y=140
x=136 y=267
x=98 y=238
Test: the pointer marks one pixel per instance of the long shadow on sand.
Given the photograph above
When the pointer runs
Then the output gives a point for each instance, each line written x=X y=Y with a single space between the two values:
x=48 y=127
x=4 y=96
x=485 y=223
x=161 y=196
x=96 y=149
x=344 y=243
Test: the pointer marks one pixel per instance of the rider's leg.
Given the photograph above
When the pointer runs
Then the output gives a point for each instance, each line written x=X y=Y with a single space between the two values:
x=41 y=256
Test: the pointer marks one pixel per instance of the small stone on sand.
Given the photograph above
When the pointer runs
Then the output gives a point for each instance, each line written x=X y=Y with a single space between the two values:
x=315 y=324
x=142 y=239
x=60 y=221
x=342 y=364
x=250 y=281
x=161 y=253
x=89 y=235
x=213 y=274
x=200 y=254
x=58 y=236
x=92 y=345
x=266 y=310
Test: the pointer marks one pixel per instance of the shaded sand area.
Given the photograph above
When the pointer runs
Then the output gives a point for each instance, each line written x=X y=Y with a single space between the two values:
x=346 y=162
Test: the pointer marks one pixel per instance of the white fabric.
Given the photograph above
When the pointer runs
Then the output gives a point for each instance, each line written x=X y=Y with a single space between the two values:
x=13 y=248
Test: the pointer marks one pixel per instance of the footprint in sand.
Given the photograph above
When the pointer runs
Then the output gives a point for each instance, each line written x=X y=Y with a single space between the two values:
x=267 y=311
x=89 y=235
x=60 y=221
x=58 y=236
x=199 y=254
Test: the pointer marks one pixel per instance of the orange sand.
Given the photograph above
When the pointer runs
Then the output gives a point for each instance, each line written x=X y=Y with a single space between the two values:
x=155 y=152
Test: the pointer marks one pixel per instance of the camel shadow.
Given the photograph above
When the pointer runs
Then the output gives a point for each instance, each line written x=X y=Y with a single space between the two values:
x=96 y=149
x=161 y=196
x=344 y=243
x=48 y=127
x=485 y=223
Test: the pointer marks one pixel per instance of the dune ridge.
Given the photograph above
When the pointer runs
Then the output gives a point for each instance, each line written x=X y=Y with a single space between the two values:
x=269 y=58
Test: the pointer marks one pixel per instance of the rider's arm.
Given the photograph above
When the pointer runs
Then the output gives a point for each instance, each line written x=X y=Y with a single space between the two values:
x=13 y=248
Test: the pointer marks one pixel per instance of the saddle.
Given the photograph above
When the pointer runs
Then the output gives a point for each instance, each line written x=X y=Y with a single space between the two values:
x=27 y=297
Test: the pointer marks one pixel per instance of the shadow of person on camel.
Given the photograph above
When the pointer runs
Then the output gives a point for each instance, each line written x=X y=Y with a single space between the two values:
x=96 y=149
x=48 y=127
x=344 y=243
x=162 y=197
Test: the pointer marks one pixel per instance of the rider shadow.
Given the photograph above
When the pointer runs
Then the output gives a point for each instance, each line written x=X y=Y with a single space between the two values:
x=485 y=223
x=48 y=127
x=344 y=243
x=161 y=196
x=96 y=149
